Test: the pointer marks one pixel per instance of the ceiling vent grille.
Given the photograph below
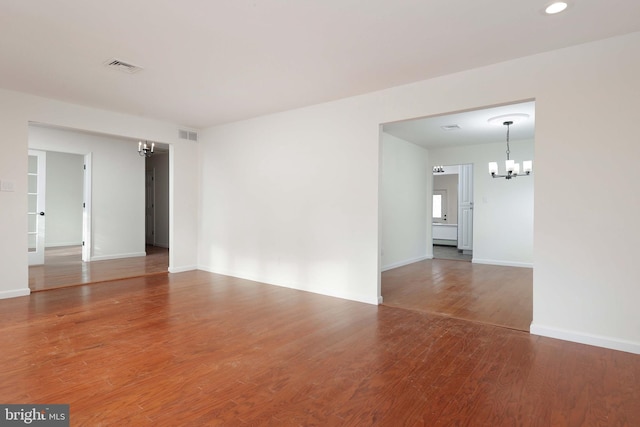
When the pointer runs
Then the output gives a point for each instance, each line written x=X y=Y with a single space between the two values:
x=450 y=127
x=119 y=65
x=188 y=135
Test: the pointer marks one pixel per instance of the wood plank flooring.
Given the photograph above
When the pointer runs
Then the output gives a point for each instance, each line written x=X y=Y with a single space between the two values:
x=64 y=267
x=489 y=294
x=199 y=349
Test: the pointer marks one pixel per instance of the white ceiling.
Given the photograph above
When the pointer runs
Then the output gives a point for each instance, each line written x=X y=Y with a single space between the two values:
x=208 y=62
x=474 y=127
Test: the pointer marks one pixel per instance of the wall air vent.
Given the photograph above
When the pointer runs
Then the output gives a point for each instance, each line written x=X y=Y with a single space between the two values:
x=188 y=135
x=450 y=127
x=119 y=65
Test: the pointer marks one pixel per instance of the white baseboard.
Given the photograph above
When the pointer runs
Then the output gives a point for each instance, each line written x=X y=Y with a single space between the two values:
x=589 y=339
x=182 y=269
x=63 y=244
x=117 y=256
x=319 y=291
x=14 y=293
x=380 y=300
x=502 y=263
x=405 y=262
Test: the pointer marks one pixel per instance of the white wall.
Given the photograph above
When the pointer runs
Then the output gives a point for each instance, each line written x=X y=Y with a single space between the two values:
x=64 y=185
x=18 y=110
x=403 y=201
x=117 y=208
x=183 y=206
x=159 y=162
x=503 y=209
x=292 y=198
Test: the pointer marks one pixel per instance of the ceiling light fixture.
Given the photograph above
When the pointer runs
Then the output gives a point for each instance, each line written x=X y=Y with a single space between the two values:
x=144 y=149
x=513 y=168
x=555 y=7
x=438 y=169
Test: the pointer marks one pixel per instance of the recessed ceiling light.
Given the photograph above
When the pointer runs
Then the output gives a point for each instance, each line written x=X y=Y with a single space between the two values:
x=514 y=118
x=555 y=7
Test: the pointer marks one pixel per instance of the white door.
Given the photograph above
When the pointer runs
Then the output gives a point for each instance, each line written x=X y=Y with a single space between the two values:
x=440 y=204
x=465 y=208
x=36 y=175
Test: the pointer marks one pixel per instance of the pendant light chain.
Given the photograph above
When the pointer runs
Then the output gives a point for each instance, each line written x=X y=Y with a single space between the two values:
x=508 y=150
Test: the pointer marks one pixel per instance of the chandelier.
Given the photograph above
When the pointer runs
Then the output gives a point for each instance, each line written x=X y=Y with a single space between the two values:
x=438 y=169
x=512 y=168
x=144 y=149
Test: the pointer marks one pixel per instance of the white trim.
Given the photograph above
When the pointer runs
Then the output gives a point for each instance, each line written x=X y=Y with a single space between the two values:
x=182 y=269
x=380 y=300
x=15 y=293
x=118 y=256
x=87 y=212
x=583 y=338
x=502 y=263
x=405 y=262
x=325 y=292
x=63 y=244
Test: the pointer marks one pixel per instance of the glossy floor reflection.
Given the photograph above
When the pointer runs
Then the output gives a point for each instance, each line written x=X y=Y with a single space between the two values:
x=64 y=267
x=490 y=294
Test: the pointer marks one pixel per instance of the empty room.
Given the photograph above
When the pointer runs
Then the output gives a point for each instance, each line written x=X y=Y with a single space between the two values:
x=294 y=190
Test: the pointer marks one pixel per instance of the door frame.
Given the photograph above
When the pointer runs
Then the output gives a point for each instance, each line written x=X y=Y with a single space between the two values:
x=86 y=208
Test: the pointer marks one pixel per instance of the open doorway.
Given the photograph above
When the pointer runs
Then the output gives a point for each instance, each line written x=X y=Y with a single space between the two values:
x=58 y=195
x=157 y=201
x=452 y=212
x=95 y=213
x=498 y=212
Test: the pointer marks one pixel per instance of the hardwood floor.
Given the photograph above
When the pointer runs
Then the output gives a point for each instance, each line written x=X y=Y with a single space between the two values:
x=489 y=294
x=64 y=267
x=197 y=349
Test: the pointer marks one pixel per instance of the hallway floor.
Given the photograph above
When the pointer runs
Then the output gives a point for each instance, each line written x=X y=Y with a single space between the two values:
x=450 y=252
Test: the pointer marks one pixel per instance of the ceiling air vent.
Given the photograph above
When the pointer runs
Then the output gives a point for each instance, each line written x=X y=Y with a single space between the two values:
x=188 y=135
x=119 y=65
x=450 y=127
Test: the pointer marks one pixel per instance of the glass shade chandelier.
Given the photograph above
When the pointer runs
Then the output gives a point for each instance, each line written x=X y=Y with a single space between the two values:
x=144 y=149
x=512 y=168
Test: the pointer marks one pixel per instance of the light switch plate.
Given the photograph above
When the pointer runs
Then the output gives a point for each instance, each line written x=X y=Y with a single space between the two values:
x=7 y=185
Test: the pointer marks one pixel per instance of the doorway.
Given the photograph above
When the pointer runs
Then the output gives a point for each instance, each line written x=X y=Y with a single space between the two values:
x=95 y=227
x=59 y=187
x=452 y=212
x=157 y=200
x=494 y=217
